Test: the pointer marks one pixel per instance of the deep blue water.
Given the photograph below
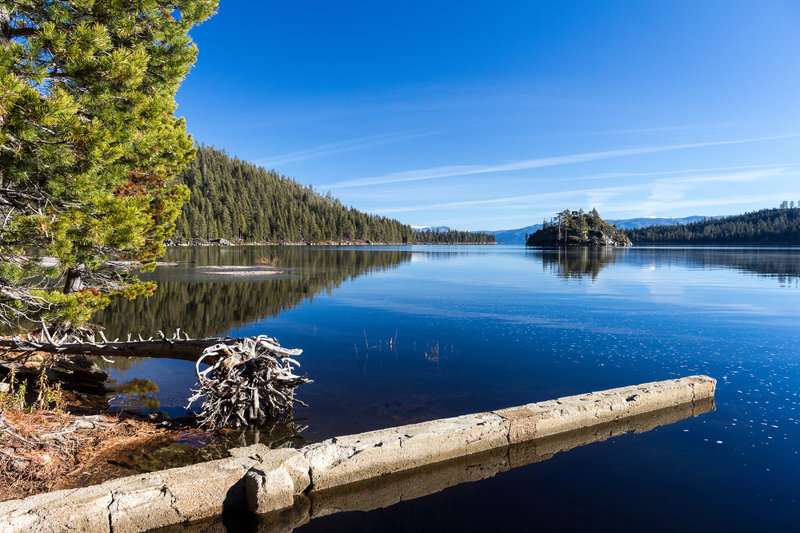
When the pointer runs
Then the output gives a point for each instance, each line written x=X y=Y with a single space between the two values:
x=485 y=327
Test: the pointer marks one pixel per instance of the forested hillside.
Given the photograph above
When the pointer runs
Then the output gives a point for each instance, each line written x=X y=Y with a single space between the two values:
x=779 y=226
x=240 y=201
x=443 y=237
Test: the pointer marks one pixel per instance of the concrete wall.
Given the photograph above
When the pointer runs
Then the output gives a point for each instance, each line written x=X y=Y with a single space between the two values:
x=380 y=467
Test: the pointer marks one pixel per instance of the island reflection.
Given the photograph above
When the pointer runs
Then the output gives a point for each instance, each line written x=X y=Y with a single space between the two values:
x=587 y=262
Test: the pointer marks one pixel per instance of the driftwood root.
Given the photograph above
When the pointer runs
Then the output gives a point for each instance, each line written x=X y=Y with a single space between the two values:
x=251 y=382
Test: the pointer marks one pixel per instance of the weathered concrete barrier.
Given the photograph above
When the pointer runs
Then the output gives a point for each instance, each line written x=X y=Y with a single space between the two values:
x=419 y=482
x=388 y=490
x=342 y=460
x=270 y=480
x=139 y=503
x=552 y=417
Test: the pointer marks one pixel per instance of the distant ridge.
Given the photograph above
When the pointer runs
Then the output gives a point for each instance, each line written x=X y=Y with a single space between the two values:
x=644 y=222
x=767 y=226
x=514 y=236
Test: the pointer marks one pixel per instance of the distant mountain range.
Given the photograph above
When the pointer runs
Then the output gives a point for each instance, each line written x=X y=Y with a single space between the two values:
x=645 y=222
x=517 y=236
x=433 y=228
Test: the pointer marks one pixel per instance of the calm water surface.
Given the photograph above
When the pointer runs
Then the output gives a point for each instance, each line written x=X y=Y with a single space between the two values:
x=480 y=328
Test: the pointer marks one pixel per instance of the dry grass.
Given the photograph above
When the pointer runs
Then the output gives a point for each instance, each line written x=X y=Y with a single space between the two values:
x=271 y=260
x=42 y=450
x=42 y=446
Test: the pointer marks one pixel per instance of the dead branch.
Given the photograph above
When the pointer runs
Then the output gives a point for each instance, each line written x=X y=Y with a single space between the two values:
x=86 y=343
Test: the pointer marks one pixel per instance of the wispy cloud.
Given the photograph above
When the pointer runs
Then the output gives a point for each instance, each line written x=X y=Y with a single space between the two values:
x=656 y=129
x=468 y=170
x=684 y=203
x=349 y=145
x=505 y=201
x=613 y=175
x=670 y=189
x=653 y=195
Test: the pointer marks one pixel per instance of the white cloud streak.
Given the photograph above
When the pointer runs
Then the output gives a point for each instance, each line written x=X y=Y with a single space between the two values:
x=469 y=170
x=669 y=189
x=612 y=175
x=649 y=207
x=339 y=147
x=662 y=192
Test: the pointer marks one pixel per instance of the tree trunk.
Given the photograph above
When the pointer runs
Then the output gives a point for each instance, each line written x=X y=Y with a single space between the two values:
x=74 y=283
x=169 y=348
x=5 y=26
x=5 y=36
x=78 y=373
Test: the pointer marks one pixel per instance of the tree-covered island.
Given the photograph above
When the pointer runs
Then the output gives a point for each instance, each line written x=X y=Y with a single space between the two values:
x=576 y=228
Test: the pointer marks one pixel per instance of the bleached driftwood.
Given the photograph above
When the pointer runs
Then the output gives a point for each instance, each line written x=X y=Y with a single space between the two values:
x=252 y=381
x=174 y=347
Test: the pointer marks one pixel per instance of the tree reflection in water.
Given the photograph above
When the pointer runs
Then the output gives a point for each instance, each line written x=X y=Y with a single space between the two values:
x=204 y=305
x=136 y=394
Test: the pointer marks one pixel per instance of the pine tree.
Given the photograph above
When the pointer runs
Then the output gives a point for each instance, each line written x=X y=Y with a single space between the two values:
x=88 y=145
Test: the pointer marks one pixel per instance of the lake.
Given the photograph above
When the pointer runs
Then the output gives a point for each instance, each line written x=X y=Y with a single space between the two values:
x=476 y=328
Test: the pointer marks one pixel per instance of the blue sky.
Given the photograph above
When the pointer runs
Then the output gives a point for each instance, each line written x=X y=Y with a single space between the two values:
x=495 y=115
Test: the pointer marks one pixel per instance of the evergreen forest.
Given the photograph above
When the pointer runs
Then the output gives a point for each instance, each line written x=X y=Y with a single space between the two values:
x=242 y=202
x=777 y=226
x=452 y=236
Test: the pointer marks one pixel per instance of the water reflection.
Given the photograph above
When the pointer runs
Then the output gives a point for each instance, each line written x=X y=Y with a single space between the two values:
x=136 y=394
x=195 y=446
x=576 y=262
x=585 y=262
x=516 y=331
x=200 y=303
x=782 y=265
x=182 y=448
